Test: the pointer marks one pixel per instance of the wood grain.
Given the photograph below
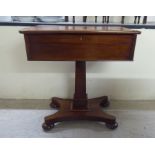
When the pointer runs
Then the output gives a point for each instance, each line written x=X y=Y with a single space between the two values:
x=76 y=47
x=77 y=29
x=78 y=43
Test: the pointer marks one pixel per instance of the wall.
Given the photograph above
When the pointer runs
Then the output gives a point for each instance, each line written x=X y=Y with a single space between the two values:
x=20 y=78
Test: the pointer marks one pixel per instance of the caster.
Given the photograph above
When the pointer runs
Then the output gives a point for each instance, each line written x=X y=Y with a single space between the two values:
x=47 y=127
x=112 y=126
x=105 y=103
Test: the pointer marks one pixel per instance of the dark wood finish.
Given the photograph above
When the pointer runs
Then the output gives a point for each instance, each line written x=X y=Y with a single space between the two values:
x=70 y=47
x=79 y=44
x=59 y=29
x=75 y=43
x=80 y=97
x=94 y=113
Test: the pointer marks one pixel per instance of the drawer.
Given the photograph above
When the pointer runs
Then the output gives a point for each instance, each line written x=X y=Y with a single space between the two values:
x=72 y=47
x=79 y=38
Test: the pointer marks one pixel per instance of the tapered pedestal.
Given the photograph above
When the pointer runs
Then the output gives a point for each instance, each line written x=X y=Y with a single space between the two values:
x=80 y=108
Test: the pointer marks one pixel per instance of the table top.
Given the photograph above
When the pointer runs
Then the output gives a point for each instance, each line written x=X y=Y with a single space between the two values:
x=78 y=29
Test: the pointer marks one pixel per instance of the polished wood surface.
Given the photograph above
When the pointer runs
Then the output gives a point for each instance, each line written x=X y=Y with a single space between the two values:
x=78 y=29
x=80 y=96
x=79 y=44
x=93 y=113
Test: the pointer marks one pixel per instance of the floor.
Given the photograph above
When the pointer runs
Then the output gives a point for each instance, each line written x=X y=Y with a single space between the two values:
x=23 y=119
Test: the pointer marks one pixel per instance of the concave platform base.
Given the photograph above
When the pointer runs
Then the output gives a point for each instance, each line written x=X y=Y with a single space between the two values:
x=80 y=108
x=66 y=112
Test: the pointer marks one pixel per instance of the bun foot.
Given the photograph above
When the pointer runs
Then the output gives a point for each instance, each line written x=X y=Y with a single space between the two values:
x=112 y=125
x=47 y=127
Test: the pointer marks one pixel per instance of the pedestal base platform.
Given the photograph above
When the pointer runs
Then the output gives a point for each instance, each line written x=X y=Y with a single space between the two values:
x=66 y=112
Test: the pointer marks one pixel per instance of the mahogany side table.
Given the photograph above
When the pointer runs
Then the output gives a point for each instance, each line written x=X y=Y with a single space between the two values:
x=79 y=44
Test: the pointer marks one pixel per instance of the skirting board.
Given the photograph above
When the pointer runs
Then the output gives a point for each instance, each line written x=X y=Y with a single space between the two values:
x=45 y=86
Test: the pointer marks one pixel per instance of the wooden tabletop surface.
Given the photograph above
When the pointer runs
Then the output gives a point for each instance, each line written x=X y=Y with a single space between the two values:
x=78 y=29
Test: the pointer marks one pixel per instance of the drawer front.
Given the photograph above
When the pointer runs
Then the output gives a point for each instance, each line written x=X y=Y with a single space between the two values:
x=70 y=47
